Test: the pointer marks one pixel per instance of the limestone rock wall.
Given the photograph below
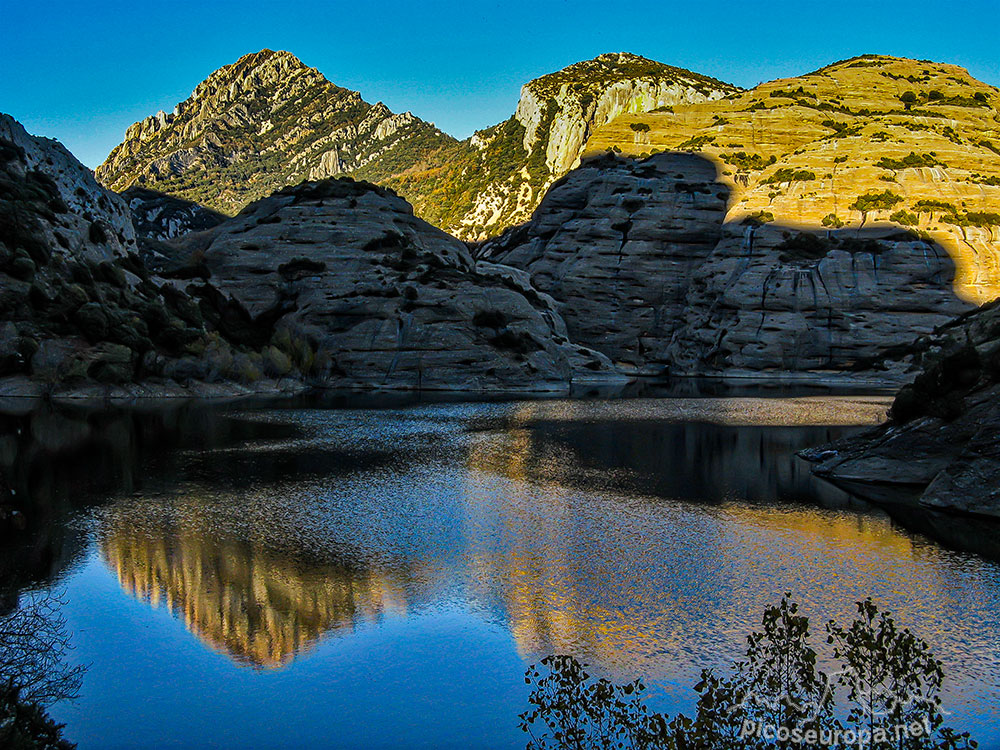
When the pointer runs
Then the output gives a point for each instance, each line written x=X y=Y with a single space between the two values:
x=556 y=115
x=645 y=267
x=871 y=140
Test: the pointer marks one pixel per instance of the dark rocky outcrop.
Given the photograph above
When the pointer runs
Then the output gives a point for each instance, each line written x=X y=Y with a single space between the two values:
x=79 y=308
x=330 y=283
x=773 y=299
x=644 y=268
x=940 y=448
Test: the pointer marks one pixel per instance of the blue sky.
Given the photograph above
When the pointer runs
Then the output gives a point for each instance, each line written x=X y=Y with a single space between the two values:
x=84 y=71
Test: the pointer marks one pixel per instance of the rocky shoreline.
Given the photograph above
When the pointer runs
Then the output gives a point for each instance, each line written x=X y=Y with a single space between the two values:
x=940 y=448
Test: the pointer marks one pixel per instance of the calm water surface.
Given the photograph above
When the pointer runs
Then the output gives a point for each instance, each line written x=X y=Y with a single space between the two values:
x=288 y=577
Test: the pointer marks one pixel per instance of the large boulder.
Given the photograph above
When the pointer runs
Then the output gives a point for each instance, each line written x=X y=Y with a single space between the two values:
x=616 y=243
x=392 y=301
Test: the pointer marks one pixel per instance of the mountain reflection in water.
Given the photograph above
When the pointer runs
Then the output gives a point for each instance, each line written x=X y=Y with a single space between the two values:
x=259 y=577
x=644 y=536
x=260 y=606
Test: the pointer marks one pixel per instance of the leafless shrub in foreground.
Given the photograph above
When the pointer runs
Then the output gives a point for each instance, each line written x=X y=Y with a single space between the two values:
x=33 y=645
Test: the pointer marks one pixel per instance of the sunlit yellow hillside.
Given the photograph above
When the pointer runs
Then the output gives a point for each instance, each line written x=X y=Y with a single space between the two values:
x=872 y=139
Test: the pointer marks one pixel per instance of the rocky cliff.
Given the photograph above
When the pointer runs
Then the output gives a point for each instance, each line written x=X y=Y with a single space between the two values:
x=78 y=306
x=262 y=123
x=268 y=121
x=647 y=266
x=939 y=449
x=330 y=283
x=394 y=301
x=555 y=116
x=871 y=140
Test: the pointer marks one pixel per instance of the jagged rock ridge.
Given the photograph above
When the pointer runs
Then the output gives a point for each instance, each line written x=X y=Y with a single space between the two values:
x=262 y=123
x=157 y=216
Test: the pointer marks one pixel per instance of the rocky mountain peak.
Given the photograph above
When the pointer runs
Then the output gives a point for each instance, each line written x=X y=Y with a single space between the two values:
x=263 y=122
x=612 y=67
x=268 y=120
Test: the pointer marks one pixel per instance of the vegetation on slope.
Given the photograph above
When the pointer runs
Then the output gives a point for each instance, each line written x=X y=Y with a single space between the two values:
x=862 y=141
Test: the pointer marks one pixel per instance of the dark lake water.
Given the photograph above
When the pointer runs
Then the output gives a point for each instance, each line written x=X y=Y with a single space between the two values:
x=288 y=577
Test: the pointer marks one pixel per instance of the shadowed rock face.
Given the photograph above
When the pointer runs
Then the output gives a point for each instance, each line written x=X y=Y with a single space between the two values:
x=773 y=299
x=66 y=250
x=56 y=200
x=644 y=268
x=162 y=217
x=939 y=449
x=397 y=302
x=82 y=313
x=616 y=243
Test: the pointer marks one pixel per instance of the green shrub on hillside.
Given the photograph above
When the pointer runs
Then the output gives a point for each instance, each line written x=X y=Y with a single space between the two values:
x=743 y=160
x=912 y=160
x=786 y=174
x=972 y=219
x=759 y=217
x=905 y=218
x=933 y=207
x=869 y=202
x=696 y=143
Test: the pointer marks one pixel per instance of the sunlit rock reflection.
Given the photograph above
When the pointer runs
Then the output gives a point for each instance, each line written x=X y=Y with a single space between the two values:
x=652 y=547
x=260 y=606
